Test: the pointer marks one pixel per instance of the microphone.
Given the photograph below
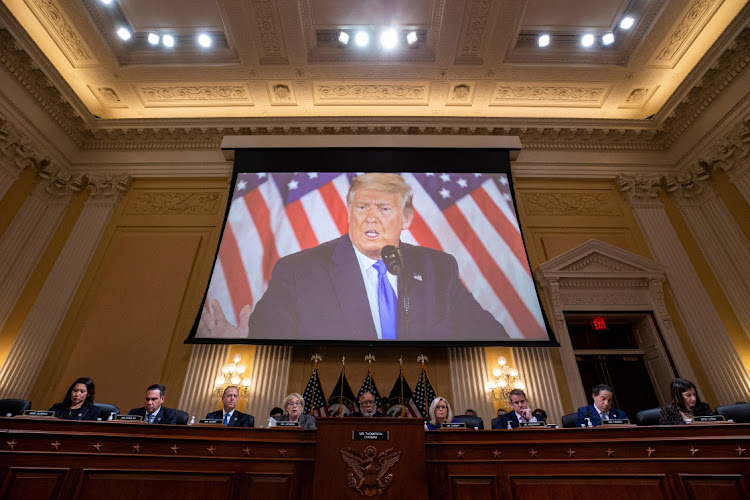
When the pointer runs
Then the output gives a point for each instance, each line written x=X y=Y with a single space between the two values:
x=392 y=259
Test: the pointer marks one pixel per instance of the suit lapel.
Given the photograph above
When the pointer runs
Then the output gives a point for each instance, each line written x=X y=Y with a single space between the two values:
x=350 y=290
x=411 y=283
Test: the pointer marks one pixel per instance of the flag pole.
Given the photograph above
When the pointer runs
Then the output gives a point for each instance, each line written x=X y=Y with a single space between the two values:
x=370 y=358
x=343 y=377
x=422 y=358
x=401 y=381
x=315 y=359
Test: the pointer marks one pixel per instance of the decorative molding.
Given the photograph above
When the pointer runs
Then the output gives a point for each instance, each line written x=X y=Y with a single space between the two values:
x=461 y=94
x=282 y=94
x=641 y=190
x=472 y=37
x=638 y=97
x=674 y=47
x=269 y=27
x=604 y=261
x=63 y=31
x=547 y=95
x=195 y=95
x=173 y=203
x=568 y=203
x=355 y=94
x=18 y=152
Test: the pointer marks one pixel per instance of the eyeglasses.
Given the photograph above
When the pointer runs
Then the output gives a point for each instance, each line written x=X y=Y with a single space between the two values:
x=367 y=402
x=441 y=407
x=294 y=403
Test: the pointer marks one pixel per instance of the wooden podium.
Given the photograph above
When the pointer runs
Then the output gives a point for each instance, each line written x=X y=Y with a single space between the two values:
x=370 y=457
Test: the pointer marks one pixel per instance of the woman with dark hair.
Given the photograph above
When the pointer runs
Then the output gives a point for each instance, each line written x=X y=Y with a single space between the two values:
x=78 y=403
x=684 y=406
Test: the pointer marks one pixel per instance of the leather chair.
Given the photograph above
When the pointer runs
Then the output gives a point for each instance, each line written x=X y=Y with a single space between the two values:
x=648 y=417
x=105 y=409
x=182 y=417
x=471 y=422
x=569 y=420
x=739 y=412
x=13 y=407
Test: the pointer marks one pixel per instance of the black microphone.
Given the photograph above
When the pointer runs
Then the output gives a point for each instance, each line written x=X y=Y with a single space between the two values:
x=392 y=259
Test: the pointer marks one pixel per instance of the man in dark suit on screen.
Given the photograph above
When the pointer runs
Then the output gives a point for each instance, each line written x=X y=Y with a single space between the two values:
x=601 y=409
x=343 y=289
x=228 y=415
x=153 y=412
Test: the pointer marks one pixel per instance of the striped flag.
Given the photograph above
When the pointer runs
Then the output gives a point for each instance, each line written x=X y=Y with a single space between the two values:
x=342 y=400
x=469 y=216
x=400 y=399
x=369 y=386
x=423 y=394
x=315 y=400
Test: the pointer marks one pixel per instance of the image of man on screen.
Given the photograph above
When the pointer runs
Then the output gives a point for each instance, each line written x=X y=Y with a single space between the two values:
x=339 y=290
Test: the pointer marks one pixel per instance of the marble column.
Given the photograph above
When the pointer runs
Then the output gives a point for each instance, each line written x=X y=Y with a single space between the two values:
x=728 y=376
x=23 y=243
x=268 y=380
x=535 y=369
x=205 y=365
x=469 y=375
x=31 y=347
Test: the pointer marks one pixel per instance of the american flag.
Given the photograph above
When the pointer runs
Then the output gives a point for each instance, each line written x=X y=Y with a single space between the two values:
x=423 y=394
x=315 y=400
x=469 y=216
x=342 y=398
x=401 y=399
x=369 y=386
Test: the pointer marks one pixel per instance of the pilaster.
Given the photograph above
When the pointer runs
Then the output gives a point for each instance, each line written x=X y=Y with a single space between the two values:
x=16 y=154
x=205 y=364
x=268 y=380
x=732 y=154
x=535 y=369
x=469 y=375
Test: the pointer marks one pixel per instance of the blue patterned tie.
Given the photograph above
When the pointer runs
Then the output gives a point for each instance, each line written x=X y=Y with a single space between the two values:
x=226 y=418
x=386 y=302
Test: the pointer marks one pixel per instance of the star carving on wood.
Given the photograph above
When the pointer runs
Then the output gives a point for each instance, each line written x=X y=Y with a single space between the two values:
x=98 y=446
x=282 y=452
x=211 y=450
x=174 y=448
x=497 y=454
x=137 y=448
x=56 y=445
x=12 y=443
x=740 y=450
x=650 y=451
x=693 y=450
x=571 y=453
x=533 y=453
x=246 y=450
x=460 y=454
x=610 y=452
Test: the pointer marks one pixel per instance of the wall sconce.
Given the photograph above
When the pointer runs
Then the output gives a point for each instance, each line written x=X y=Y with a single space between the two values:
x=506 y=379
x=231 y=374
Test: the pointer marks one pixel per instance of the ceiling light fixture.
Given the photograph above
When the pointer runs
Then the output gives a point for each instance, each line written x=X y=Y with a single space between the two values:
x=411 y=38
x=344 y=37
x=608 y=39
x=204 y=40
x=153 y=39
x=587 y=40
x=543 y=40
x=388 y=39
x=627 y=22
x=168 y=40
x=362 y=38
x=124 y=33
x=106 y=2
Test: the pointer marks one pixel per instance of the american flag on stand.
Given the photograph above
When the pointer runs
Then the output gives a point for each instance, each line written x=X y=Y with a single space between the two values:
x=423 y=394
x=369 y=386
x=469 y=216
x=401 y=399
x=342 y=398
x=315 y=400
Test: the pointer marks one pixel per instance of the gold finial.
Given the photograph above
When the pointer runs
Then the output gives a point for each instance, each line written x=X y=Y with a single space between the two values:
x=369 y=358
x=316 y=358
x=401 y=360
x=422 y=359
x=343 y=360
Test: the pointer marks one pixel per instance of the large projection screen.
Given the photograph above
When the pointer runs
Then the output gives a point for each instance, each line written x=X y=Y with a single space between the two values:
x=288 y=268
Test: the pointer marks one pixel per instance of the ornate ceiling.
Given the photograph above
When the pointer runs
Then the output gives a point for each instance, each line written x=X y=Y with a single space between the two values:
x=275 y=67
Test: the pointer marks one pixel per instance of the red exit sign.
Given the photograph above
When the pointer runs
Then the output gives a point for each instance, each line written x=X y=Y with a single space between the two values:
x=598 y=323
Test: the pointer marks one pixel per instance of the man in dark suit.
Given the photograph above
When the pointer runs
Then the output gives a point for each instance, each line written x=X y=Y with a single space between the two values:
x=367 y=407
x=500 y=413
x=340 y=289
x=520 y=413
x=601 y=409
x=153 y=412
x=230 y=416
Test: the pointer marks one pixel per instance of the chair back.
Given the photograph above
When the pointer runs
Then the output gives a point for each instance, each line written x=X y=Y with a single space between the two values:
x=13 y=407
x=182 y=417
x=648 y=417
x=739 y=412
x=569 y=420
x=470 y=421
x=105 y=409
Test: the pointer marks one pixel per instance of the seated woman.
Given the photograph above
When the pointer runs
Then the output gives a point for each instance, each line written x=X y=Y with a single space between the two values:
x=684 y=406
x=440 y=413
x=293 y=406
x=78 y=403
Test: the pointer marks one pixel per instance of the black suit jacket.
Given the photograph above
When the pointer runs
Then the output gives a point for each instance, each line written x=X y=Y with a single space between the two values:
x=165 y=415
x=319 y=293
x=594 y=415
x=238 y=419
x=501 y=422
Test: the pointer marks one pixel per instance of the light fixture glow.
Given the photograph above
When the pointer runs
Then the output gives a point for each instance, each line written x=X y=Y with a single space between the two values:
x=106 y=2
x=388 y=39
x=543 y=40
x=204 y=40
x=362 y=38
x=167 y=40
x=124 y=33
x=153 y=39
x=627 y=22
x=608 y=39
x=587 y=40
x=344 y=37
x=411 y=37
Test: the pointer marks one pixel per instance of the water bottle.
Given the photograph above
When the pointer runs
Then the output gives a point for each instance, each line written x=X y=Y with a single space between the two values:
x=271 y=422
x=192 y=420
x=509 y=426
x=111 y=416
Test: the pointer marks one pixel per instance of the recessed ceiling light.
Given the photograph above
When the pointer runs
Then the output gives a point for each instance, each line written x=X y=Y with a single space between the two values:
x=411 y=37
x=344 y=37
x=608 y=39
x=167 y=40
x=153 y=39
x=106 y=2
x=388 y=39
x=204 y=40
x=587 y=40
x=627 y=22
x=124 y=33
x=543 y=40
x=362 y=38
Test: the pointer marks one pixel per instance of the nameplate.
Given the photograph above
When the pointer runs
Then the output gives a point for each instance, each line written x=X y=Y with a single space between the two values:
x=616 y=421
x=454 y=425
x=370 y=435
x=211 y=421
x=532 y=424
x=286 y=424
x=553 y=426
x=38 y=413
x=128 y=418
x=709 y=418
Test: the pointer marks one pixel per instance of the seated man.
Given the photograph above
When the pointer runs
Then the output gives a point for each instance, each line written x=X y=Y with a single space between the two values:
x=520 y=413
x=276 y=412
x=153 y=412
x=367 y=406
x=230 y=416
x=500 y=413
x=601 y=409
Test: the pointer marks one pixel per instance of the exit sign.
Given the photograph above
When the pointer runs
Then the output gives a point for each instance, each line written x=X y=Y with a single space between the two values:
x=598 y=323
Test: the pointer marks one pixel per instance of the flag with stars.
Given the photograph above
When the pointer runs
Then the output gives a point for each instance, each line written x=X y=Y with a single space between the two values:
x=470 y=216
x=423 y=394
x=400 y=402
x=315 y=400
x=369 y=386
x=342 y=400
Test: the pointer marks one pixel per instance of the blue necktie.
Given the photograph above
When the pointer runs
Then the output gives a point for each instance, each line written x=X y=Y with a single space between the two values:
x=226 y=418
x=150 y=418
x=386 y=302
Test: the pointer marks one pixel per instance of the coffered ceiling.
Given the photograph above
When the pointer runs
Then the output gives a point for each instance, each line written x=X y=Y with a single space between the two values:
x=281 y=60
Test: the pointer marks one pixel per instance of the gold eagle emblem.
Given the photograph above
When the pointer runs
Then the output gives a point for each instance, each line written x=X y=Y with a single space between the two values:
x=369 y=472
